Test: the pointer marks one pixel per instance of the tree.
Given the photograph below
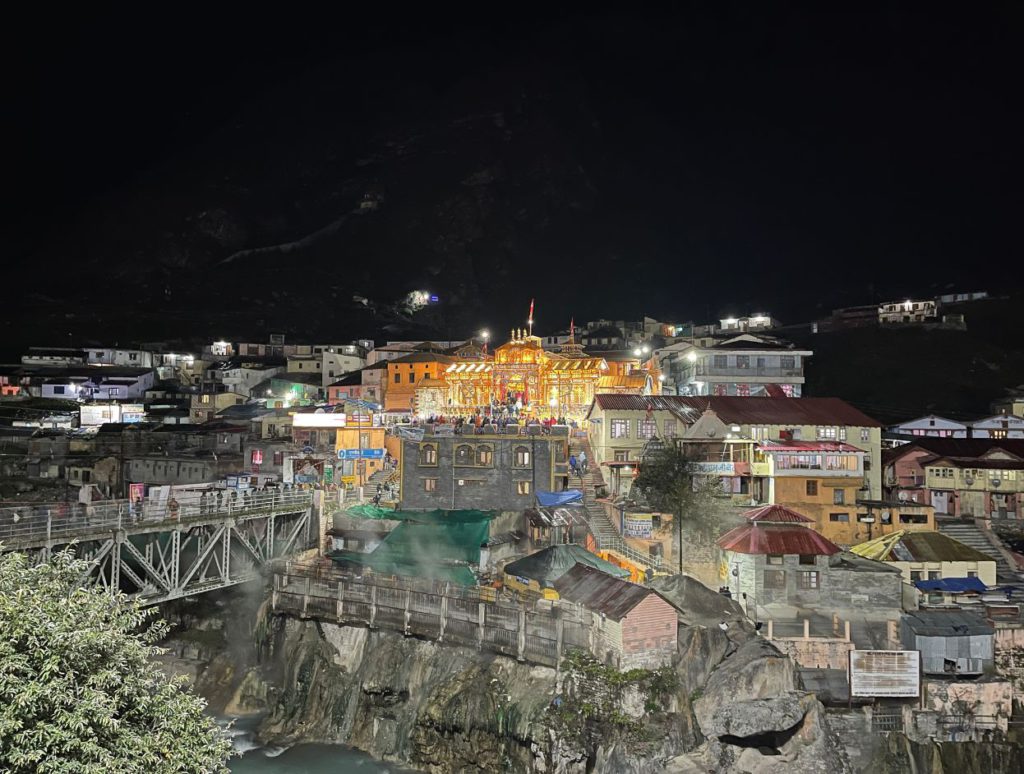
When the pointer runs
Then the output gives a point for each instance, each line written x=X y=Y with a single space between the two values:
x=79 y=691
x=667 y=479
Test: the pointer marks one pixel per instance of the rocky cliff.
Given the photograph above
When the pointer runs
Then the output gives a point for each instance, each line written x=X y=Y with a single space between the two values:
x=730 y=702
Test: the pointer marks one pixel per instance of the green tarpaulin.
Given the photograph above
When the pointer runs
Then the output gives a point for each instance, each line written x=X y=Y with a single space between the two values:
x=419 y=517
x=428 y=544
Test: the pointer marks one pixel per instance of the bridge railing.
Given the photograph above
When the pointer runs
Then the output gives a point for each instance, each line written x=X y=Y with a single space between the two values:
x=40 y=523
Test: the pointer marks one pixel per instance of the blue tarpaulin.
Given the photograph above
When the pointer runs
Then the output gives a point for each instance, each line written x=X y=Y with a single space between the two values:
x=956 y=585
x=548 y=499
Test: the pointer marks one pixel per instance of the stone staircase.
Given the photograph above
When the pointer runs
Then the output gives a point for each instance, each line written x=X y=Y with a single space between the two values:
x=606 y=535
x=980 y=540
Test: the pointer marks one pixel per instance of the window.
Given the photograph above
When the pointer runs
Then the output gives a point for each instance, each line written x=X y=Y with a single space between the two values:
x=430 y=485
x=412 y=377
x=646 y=428
x=842 y=433
x=670 y=428
x=279 y=458
x=934 y=575
x=775 y=579
x=827 y=433
x=788 y=361
x=812 y=488
x=808 y=559
x=720 y=361
x=865 y=434
x=428 y=454
x=838 y=496
x=774 y=559
x=808 y=580
x=398 y=378
x=620 y=428
x=621 y=456
x=257 y=457
x=523 y=487
x=915 y=575
x=58 y=389
x=484 y=456
x=743 y=361
x=972 y=574
x=839 y=517
x=463 y=454
x=205 y=399
x=522 y=457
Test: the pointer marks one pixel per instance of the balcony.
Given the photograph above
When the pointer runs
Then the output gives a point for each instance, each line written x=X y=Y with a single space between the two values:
x=753 y=372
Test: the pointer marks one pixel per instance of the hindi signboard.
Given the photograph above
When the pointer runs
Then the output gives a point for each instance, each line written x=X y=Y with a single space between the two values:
x=885 y=673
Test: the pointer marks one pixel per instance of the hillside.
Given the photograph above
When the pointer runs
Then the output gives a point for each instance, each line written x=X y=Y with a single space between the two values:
x=897 y=374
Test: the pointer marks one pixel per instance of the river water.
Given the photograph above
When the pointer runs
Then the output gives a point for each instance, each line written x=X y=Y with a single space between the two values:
x=300 y=759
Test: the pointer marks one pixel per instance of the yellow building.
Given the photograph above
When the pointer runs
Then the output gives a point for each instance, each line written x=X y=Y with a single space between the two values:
x=360 y=449
x=405 y=373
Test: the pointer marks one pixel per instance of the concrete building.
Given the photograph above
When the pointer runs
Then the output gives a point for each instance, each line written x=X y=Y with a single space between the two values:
x=113 y=356
x=775 y=560
x=731 y=427
x=487 y=471
x=756 y=322
x=96 y=383
x=203 y=406
x=908 y=311
x=744 y=365
x=1013 y=405
x=242 y=376
x=197 y=469
x=929 y=556
x=635 y=628
x=53 y=356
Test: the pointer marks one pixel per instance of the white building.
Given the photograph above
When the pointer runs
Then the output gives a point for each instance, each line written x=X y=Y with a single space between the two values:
x=330 y=361
x=907 y=312
x=999 y=426
x=241 y=377
x=931 y=426
x=112 y=356
x=744 y=365
x=756 y=322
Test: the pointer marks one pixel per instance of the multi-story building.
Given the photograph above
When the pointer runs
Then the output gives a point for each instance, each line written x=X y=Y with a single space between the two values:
x=756 y=322
x=727 y=430
x=960 y=477
x=1013 y=405
x=404 y=373
x=487 y=471
x=745 y=365
x=203 y=406
x=112 y=356
x=907 y=312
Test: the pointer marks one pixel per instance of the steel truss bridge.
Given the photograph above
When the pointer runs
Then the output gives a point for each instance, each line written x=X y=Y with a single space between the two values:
x=155 y=552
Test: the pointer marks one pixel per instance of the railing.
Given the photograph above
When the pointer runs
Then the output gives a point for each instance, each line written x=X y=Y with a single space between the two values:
x=37 y=524
x=752 y=371
x=470 y=616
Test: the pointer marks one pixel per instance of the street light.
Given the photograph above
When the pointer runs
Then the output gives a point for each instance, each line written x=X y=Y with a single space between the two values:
x=553 y=403
x=638 y=352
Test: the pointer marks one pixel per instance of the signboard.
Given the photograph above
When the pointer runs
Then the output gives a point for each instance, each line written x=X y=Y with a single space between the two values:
x=372 y=454
x=355 y=454
x=637 y=525
x=410 y=433
x=318 y=420
x=885 y=673
x=136 y=497
x=132 y=412
x=98 y=414
x=715 y=468
x=241 y=481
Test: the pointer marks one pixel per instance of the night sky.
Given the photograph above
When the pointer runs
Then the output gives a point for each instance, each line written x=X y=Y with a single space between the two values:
x=685 y=165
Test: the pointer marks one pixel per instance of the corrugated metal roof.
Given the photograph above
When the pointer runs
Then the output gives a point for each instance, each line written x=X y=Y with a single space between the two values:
x=947 y=623
x=750 y=411
x=601 y=593
x=963 y=448
x=630 y=382
x=579 y=364
x=754 y=538
x=779 y=514
x=550 y=564
x=905 y=546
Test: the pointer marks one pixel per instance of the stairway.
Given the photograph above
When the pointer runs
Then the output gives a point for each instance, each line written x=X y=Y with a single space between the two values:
x=980 y=540
x=606 y=535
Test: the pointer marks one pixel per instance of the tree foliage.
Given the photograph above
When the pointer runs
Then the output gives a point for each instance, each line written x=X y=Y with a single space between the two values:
x=79 y=690
x=666 y=479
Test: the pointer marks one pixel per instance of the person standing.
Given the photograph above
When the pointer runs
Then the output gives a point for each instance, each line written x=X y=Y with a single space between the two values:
x=583 y=463
x=572 y=463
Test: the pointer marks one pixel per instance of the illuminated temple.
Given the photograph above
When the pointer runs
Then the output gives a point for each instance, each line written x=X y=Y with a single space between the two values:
x=523 y=374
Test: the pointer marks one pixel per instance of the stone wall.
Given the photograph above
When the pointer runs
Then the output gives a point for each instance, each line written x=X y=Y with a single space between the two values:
x=816 y=652
x=1009 y=656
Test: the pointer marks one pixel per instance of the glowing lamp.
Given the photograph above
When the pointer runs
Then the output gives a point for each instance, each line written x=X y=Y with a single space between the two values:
x=691 y=356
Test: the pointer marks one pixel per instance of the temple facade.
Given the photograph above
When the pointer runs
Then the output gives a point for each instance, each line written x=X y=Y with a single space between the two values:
x=521 y=375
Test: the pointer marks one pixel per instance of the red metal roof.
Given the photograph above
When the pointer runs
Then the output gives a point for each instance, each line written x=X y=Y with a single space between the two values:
x=819 y=446
x=741 y=410
x=776 y=514
x=754 y=538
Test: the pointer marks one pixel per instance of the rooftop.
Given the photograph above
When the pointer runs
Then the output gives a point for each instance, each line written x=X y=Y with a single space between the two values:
x=745 y=410
x=600 y=592
x=943 y=623
x=816 y=446
x=904 y=546
x=550 y=564
x=778 y=514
